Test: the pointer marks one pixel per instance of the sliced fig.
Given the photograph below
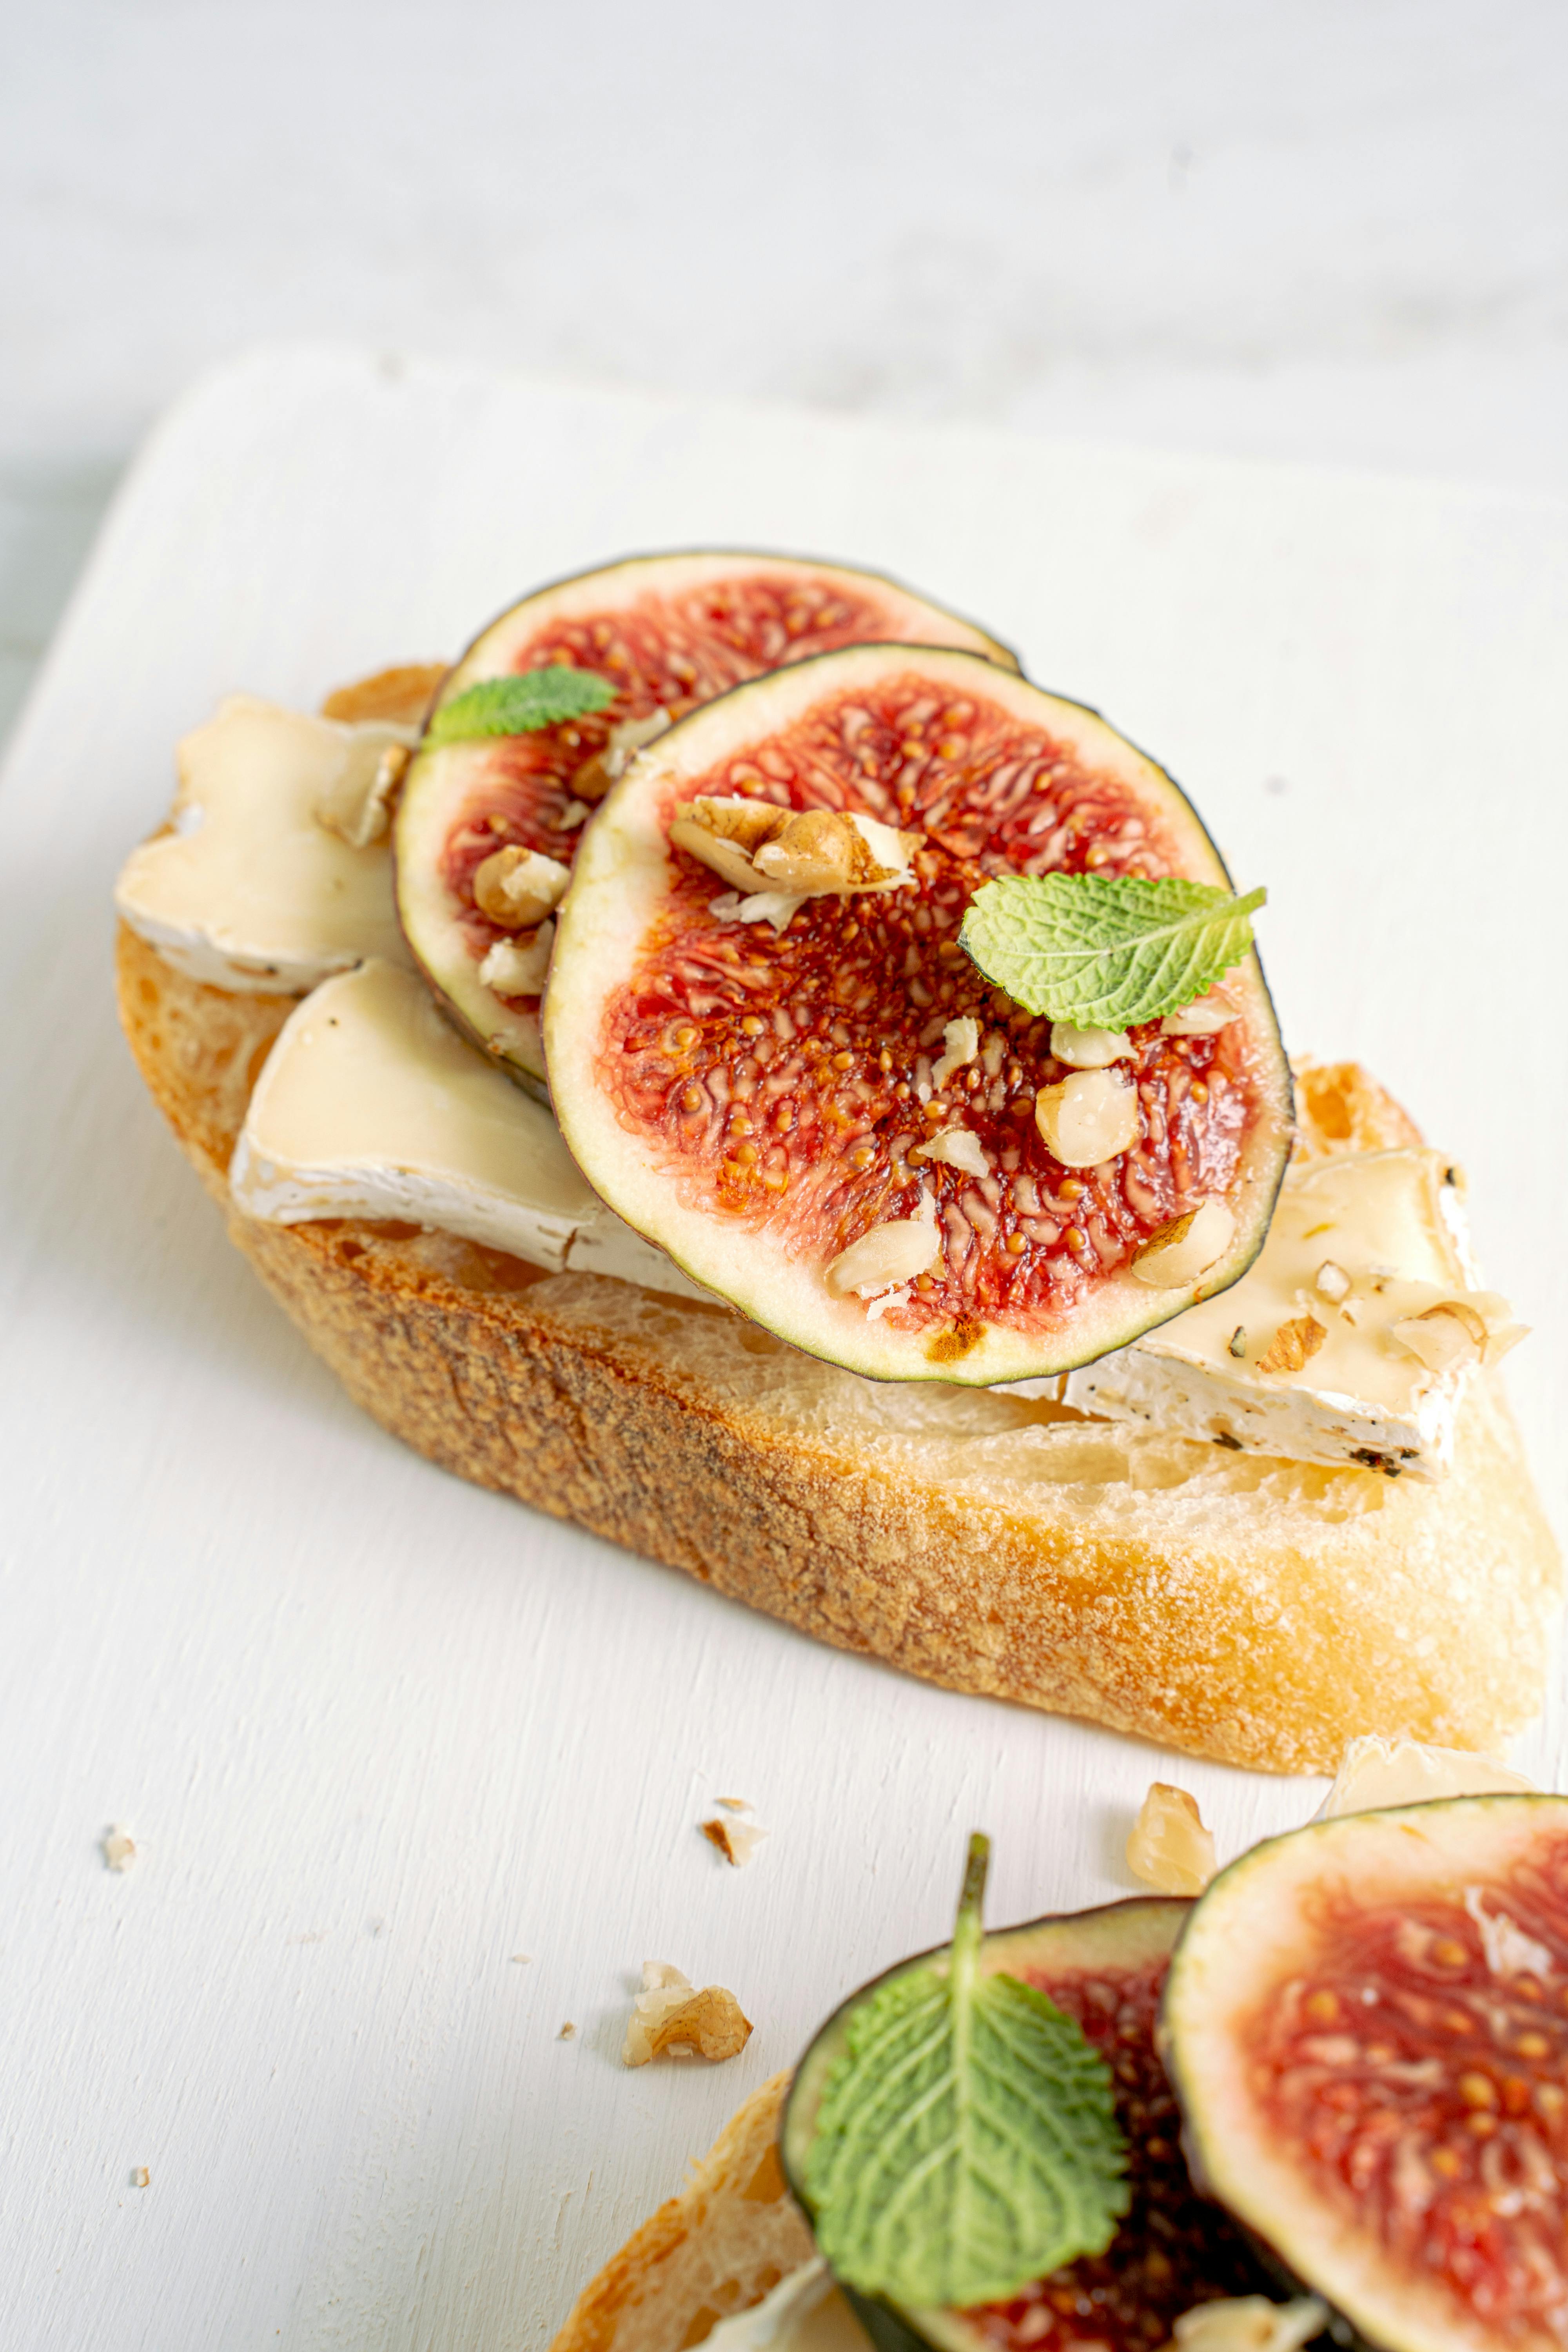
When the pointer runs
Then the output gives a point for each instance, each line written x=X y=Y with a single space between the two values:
x=1367 y=2025
x=826 y=1114
x=669 y=632
x=1106 y=1969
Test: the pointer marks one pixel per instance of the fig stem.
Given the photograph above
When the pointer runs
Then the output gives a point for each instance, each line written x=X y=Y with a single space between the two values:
x=967 y=1932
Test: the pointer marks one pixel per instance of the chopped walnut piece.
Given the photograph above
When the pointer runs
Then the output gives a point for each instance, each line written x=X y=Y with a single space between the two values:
x=517 y=887
x=757 y=847
x=1250 y=2323
x=736 y=1841
x=1442 y=1336
x=668 y=2014
x=1169 y=1848
x=519 y=967
x=119 y=1848
x=568 y=2033
x=888 y=1254
x=1292 y=1344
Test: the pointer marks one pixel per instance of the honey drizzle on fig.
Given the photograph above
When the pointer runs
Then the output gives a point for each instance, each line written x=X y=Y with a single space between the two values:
x=776 y=1126
x=1174 y=2249
x=1422 y=2090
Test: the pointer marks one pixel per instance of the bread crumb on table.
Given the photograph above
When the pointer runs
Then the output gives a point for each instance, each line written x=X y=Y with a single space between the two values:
x=119 y=1848
x=669 y=2015
x=141 y=2176
x=568 y=2033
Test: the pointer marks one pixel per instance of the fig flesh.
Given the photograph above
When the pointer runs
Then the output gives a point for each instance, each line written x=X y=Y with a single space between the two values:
x=1366 y=2023
x=813 y=1099
x=669 y=632
x=1174 y=2250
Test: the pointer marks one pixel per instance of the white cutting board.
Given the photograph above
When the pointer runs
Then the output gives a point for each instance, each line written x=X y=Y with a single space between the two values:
x=377 y=1732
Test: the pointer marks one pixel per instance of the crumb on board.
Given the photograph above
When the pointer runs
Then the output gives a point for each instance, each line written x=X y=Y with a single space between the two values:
x=568 y=2033
x=520 y=1959
x=737 y=1840
x=1170 y=1849
x=670 y=2014
x=141 y=2176
x=119 y=1848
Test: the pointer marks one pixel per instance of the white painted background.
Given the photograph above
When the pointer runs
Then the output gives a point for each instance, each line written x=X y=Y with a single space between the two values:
x=378 y=1731
x=1321 y=230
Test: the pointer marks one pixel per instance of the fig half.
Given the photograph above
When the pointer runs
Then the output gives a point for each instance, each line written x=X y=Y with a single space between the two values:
x=1367 y=2024
x=667 y=632
x=809 y=1095
x=1105 y=1968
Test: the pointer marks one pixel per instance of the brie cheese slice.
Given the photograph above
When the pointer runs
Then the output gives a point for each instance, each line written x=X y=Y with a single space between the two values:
x=1302 y=1358
x=254 y=887
x=370 y=1104
x=805 y=2313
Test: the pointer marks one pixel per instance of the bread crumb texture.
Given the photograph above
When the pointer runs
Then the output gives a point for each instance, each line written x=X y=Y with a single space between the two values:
x=723 y=2244
x=1259 y=1611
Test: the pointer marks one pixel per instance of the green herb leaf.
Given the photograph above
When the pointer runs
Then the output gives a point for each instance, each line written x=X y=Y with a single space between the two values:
x=966 y=2142
x=1106 y=950
x=517 y=705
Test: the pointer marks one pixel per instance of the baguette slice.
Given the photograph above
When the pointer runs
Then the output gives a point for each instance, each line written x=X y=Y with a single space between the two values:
x=1262 y=1612
x=718 y=2247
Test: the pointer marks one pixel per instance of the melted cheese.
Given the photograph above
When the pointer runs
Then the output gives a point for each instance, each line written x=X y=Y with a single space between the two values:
x=805 y=2313
x=250 y=890
x=1358 y=1244
x=1375 y=1774
x=370 y=1104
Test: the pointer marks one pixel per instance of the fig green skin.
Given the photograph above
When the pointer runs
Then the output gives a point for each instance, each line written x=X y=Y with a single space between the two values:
x=635 y=574
x=1215 y=1942
x=611 y=1160
x=1132 y=1933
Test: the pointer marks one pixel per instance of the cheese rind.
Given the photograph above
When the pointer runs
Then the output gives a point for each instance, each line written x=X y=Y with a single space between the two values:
x=370 y=1104
x=252 y=888
x=1359 y=1242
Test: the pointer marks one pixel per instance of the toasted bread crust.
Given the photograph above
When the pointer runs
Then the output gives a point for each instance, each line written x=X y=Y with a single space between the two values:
x=1257 y=1611
x=732 y=2233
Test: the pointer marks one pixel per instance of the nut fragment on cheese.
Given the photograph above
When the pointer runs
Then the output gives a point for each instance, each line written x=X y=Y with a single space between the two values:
x=1310 y=1355
x=1375 y=1772
x=370 y=1104
x=1250 y=2323
x=254 y=886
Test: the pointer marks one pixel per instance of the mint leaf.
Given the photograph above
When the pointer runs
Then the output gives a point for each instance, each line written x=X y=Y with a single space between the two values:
x=966 y=2142
x=1106 y=950
x=517 y=705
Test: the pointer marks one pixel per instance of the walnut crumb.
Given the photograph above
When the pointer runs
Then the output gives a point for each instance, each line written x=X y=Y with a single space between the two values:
x=737 y=1840
x=670 y=2014
x=1170 y=1849
x=568 y=2033
x=141 y=2176
x=119 y=1848
x=1292 y=1344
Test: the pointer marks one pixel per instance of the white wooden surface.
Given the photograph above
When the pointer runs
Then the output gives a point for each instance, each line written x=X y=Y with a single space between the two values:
x=378 y=1733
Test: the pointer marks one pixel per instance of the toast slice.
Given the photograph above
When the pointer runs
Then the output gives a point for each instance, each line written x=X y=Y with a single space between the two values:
x=717 y=2247
x=1259 y=1611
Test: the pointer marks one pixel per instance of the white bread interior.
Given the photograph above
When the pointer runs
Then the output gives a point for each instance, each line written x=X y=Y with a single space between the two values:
x=717 y=2247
